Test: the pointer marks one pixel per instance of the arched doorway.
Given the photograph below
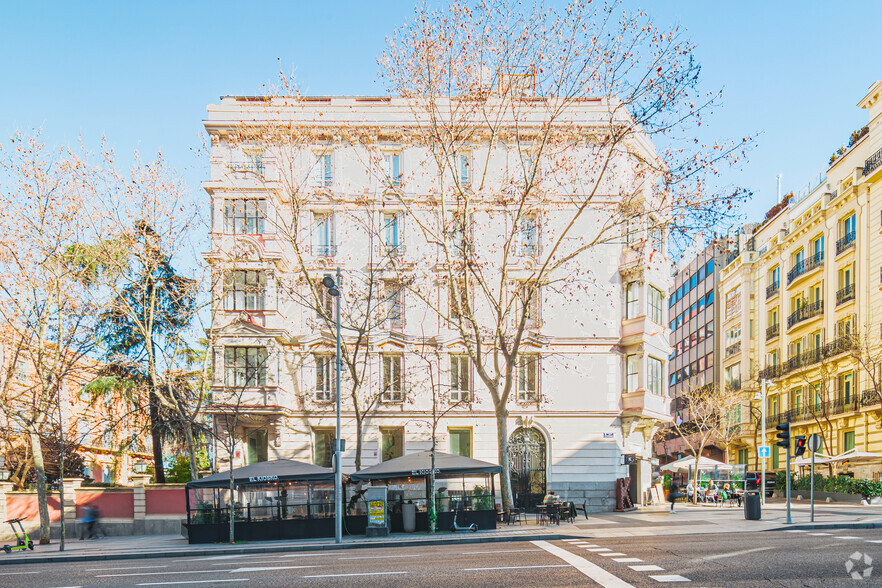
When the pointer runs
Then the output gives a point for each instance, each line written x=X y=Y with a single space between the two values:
x=526 y=454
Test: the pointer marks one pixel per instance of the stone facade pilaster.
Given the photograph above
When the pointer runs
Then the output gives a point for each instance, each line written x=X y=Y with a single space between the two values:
x=139 y=483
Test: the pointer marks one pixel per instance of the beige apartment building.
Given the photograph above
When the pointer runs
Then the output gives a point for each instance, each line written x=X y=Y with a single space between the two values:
x=591 y=384
x=802 y=306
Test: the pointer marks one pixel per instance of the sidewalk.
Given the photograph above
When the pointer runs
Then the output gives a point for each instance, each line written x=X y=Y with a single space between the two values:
x=646 y=522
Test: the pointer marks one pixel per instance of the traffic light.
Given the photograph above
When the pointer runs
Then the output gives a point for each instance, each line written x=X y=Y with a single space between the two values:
x=783 y=435
x=799 y=445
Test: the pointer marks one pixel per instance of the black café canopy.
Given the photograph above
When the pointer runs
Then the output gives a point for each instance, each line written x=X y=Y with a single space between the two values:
x=265 y=472
x=419 y=464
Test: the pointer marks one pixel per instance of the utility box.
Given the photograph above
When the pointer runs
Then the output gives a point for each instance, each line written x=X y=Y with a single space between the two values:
x=378 y=513
x=752 y=505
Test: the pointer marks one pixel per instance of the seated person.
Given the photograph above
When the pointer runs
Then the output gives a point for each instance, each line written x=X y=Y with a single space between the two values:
x=690 y=490
x=550 y=498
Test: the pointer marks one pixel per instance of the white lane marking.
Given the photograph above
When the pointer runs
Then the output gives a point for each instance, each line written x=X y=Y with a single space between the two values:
x=611 y=554
x=499 y=551
x=348 y=575
x=847 y=537
x=598 y=549
x=819 y=534
x=584 y=566
x=132 y=568
x=647 y=568
x=304 y=554
x=874 y=540
x=243 y=570
x=670 y=578
x=17 y=573
x=627 y=559
x=193 y=582
x=733 y=553
x=515 y=567
x=251 y=563
x=381 y=556
x=160 y=573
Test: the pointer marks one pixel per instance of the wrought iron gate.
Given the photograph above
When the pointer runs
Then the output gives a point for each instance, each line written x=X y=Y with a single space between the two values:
x=526 y=454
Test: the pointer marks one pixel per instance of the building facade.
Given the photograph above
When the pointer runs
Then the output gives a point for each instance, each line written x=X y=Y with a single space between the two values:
x=590 y=384
x=801 y=309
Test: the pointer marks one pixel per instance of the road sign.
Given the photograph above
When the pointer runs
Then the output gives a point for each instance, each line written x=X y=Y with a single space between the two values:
x=765 y=451
x=814 y=442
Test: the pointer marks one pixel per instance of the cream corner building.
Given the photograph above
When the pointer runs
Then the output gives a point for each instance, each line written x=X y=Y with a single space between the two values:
x=804 y=285
x=593 y=390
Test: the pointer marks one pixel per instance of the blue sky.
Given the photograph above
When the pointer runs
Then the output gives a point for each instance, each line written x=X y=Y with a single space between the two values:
x=141 y=73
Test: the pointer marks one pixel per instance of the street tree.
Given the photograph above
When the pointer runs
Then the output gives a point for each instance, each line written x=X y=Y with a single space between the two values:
x=501 y=85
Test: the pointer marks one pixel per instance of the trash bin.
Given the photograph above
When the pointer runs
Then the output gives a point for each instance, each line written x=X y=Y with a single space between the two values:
x=752 y=505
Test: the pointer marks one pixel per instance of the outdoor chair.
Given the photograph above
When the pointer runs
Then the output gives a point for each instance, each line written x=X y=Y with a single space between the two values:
x=583 y=508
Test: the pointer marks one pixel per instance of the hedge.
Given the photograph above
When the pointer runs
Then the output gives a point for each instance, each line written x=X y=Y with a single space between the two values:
x=830 y=484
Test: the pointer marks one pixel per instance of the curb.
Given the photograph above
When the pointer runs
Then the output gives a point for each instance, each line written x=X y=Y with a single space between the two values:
x=817 y=527
x=258 y=549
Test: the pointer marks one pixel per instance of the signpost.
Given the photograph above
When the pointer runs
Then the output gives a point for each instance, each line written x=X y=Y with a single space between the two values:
x=814 y=443
x=765 y=451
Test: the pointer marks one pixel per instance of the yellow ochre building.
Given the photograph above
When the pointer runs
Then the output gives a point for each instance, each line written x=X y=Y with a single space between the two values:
x=801 y=308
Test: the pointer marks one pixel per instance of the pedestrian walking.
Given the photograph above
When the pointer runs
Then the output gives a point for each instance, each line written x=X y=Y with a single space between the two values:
x=674 y=494
x=87 y=526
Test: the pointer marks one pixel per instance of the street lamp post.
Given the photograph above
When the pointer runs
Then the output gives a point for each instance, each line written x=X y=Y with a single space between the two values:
x=763 y=407
x=333 y=289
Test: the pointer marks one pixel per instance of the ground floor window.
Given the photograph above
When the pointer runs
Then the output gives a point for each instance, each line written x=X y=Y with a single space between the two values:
x=742 y=457
x=847 y=440
x=257 y=445
x=775 y=457
x=392 y=441
x=323 y=452
x=461 y=442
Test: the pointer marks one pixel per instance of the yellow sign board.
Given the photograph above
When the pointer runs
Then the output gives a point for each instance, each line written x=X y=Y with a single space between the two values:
x=377 y=513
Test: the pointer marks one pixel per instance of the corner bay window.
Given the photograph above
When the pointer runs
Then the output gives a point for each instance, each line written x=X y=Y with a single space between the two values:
x=655 y=298
x=244 y=216
x=244 y=290
x=245 y=366
x=631 y=303
x=655 y=376
x=632 y=367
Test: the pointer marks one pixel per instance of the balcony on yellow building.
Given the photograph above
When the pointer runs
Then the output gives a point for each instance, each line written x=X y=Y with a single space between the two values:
x=845 y=294
x=805 y=312
x=773 y=331
x=805 y=267
x=845 y=243
x=772 y=289
x=733 y=349
x=808 y=358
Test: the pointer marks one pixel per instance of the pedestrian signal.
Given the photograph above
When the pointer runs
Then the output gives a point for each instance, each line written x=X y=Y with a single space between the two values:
x=799 y=445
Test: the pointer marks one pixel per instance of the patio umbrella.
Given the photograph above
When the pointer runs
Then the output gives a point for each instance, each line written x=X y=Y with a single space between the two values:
x=704 y=463
x=419 y=464
x=855 y=456
x=806 y=460
x=266 y=472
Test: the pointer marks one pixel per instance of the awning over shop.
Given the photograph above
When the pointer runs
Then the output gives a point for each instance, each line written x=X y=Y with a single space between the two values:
x=266 y=472
x=420 y=464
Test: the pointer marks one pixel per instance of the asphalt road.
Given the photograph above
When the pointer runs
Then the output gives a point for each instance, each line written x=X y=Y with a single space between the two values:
x=738 y=559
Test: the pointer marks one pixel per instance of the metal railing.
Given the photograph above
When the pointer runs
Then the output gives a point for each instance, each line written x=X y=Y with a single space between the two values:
x=805 y=312
x=805 y=266
x=733 y=349
x=845 y=294
x=772 y=289
x=773 y=331
x=839 y=345
x=872 y=162
x=845 y=242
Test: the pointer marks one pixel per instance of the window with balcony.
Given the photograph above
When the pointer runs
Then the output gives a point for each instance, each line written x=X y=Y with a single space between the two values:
x=322 y=173
x=325 y=377
x=846 y=388
x=654 y=376
x=632 y=372
x=460 y=378
x=245 y=366
x=529 y=298
x=325 y=235
x=528 y=378
x=846 y=289
x=773 y=281
x=392 y=169
x=247 y=161
x=847 y=234
x=461 y=442
x=459 y=236
x=244 y=290
x=393 y=385
x=323 y=447
x=732 y=377
x=528 y=236
x=393 y=300
x=463 y=169
x=457 y=300
x=656 y=308
x=392 y=238
x=796 y=400
x=244 y=216
x=632 y=304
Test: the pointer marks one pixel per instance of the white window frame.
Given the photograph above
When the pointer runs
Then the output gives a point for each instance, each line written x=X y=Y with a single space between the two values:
x=655 y=307
x=393 y=302
x=245 y=366
x=528 y=377
x=528 y=236
x=632 y=372
x=392 y=232
x=392 y=168
x=244 y=216
x=392 y=377
x=655 y=372
x=325 y=234
x=460 y=378
x=632 y=300
x=325 y=377
x=322 y=170
x=245 y=290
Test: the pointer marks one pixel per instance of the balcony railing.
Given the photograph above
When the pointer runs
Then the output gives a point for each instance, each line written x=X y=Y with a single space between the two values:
x=845 y=294
x=805 y=312
x=733 y=385
x=805 y=266
x=733 y=349
x=772 y=289
x=845 y=242
x=326 y=250
x=773 y=331
x=839 y=345
x=872 y=162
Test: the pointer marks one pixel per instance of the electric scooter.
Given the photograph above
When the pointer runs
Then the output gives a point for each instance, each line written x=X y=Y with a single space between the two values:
x=473 y=527
x=22 y=540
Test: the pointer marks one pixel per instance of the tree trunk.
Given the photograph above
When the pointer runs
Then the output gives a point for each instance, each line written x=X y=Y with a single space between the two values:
x=40 y=471
x=359 y=426
x=433 y=515
x=191 y=449
x=232 y=500
x=155 y=434
x=505 y=475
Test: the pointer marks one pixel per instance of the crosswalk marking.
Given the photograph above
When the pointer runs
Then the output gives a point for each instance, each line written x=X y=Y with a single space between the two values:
x=647 y=568
x=598 y=549
x=670 y=578
x=846 y=537
x=611 y=554
x=627 y=559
